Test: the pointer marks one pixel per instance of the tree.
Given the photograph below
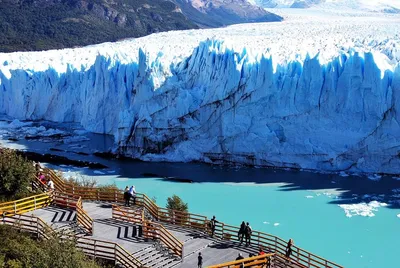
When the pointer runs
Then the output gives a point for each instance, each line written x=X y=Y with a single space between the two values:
x=16 y=173
x=176 y=203
x=178 y=210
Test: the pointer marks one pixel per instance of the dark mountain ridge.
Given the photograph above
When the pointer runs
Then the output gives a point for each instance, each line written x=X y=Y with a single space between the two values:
x=52 y=24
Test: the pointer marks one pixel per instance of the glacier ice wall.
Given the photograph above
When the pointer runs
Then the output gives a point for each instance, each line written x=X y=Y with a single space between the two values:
x=220 y=105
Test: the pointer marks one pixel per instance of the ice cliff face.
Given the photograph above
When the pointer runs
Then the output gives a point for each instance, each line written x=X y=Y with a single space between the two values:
x=332 y=109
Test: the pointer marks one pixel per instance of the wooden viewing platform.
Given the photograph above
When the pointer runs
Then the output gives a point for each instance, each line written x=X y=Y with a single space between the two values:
x=143 y=235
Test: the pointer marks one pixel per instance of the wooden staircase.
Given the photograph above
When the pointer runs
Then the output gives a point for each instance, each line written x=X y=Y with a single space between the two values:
x=156 y=256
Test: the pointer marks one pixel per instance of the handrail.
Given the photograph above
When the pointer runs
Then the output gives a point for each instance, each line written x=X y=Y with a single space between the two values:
x=89 y=246
x=25 y=204
x=227 y=232
x=83 y=218
x=123 y=213
x=157 y=231
x=247 y=262
x=39 y=184
x=150 y=229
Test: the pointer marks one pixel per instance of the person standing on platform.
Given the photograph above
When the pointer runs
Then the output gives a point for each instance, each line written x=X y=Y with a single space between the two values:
x=126 y=196
x=241 y=232
x=213 y=224
x=289 y=248
x=248 y=232
x=132 y=193
x=199 y=261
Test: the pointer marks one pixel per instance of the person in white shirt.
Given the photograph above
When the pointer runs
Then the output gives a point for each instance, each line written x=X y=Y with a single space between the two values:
x=50 y=184
x=132 y=193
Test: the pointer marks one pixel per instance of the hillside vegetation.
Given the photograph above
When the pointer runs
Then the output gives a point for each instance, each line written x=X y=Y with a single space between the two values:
x=16 y=173
x=31 y=25
x=49 y=24
x=18 y=250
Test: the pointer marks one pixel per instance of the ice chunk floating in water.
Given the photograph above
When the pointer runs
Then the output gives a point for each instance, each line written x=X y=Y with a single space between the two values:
x=249 y=95
x=362 y=209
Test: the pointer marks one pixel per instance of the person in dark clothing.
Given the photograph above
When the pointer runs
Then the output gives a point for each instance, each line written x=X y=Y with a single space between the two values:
x=213 y=224
x=248 y=232
x=126 y=196
x=289 y=248
x=240 y=257
x=200 y=261
x=241 y=232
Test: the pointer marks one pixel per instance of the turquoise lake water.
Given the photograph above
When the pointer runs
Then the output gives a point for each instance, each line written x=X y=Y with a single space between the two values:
x=311 y=217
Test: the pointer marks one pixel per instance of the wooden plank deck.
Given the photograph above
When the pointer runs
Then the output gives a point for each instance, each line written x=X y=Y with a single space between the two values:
x=126 y=234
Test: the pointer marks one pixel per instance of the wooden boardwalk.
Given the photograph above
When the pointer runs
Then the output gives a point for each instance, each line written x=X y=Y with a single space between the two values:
x=145 y=235
x=127 y=235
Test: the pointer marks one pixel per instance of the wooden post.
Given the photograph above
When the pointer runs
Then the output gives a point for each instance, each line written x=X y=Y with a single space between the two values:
x=37 y=225
x=115 y=254
x=298 y=255
x=94 y=249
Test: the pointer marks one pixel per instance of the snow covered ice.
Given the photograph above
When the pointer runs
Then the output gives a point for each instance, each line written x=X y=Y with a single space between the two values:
x=362 y=209
x=321 y=93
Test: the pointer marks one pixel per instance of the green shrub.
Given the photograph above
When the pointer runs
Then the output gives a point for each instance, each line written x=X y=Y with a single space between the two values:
x=176 y=203
x=16 y=173
x=20 y=250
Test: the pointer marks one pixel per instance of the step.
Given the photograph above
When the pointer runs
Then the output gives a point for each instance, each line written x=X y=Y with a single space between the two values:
x=164 y=263
x=145 y=253
x=172 y=264
x=153 y=259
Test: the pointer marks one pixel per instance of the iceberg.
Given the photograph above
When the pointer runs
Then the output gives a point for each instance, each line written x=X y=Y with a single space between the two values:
x=282 y=95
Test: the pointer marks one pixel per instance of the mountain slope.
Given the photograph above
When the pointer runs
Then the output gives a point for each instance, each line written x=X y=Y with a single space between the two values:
x=44 y=24
x=216 y=13
x=50 y=24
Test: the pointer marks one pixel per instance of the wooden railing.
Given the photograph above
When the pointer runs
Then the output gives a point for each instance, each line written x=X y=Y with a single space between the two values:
x=223 y=231
x=58 y=182
x=182 y=218
x=256 y=261
x=38 y=184
x=128 y=214
x=107 y=250
x=29 y=224
x=64 y=200
x=83 y=218
x=90 y=247
x=24 y=205
x=158 y=232
x=151 y=230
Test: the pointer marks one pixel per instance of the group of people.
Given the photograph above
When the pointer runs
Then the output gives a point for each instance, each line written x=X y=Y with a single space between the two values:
x=245 y=232
x=46 y=182
x=129 y=193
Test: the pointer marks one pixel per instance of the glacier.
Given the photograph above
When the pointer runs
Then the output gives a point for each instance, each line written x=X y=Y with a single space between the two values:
x=310 y=95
